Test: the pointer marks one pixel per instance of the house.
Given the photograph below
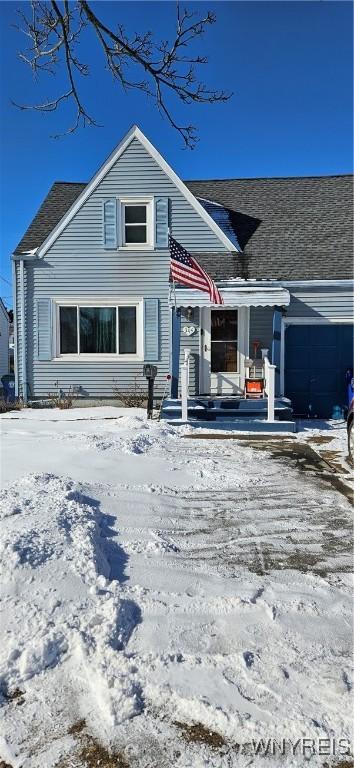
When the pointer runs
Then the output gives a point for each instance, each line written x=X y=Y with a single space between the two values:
x=93 y=300
x=4 y=340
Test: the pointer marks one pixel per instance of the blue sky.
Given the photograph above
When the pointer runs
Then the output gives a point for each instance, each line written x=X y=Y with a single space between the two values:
x=289 y=65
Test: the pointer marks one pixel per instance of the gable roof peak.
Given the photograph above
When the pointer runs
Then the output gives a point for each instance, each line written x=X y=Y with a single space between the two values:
x=134 y=132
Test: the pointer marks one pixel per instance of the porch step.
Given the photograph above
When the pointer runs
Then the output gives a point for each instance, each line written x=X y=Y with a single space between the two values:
x=239 y=425
x=226 y=409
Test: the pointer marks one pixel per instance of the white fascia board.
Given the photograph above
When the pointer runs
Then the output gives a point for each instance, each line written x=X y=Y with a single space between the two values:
x=133 y=133
x=314 y=283
x=345 y=320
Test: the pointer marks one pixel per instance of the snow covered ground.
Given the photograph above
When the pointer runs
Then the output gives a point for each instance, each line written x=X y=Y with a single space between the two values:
x=175 y=600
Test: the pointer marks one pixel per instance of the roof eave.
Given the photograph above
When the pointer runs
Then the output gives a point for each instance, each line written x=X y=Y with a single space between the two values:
x=25 y=255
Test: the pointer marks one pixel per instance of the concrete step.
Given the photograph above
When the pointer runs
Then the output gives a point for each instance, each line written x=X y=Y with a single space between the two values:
x=238 y=425
x=222 y=409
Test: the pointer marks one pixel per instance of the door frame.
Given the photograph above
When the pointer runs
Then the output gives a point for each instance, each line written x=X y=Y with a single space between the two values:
x=242 y=347
x=286 y=321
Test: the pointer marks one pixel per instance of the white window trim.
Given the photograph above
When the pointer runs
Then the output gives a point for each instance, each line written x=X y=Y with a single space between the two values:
x=112 y=301
x=150 y=223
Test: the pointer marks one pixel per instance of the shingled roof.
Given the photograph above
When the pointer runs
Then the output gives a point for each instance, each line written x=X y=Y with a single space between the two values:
x=288 y=228
x=59 y=199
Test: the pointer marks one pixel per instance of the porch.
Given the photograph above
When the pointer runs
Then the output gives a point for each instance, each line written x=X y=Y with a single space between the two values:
x=231 y=413
x=229 y=356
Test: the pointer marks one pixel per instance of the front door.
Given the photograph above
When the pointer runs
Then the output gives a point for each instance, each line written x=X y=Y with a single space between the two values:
x=223 y=346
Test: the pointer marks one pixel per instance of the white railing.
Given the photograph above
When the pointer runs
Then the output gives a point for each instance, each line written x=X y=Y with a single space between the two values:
x=269 y=386
x=185 y=384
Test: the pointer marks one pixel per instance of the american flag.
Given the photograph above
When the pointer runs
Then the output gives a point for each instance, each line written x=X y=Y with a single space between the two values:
x=187 y=271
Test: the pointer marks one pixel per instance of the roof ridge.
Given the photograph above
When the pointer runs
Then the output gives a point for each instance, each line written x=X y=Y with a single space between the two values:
x=274 y=178
x=243 y=178
x=81 y=183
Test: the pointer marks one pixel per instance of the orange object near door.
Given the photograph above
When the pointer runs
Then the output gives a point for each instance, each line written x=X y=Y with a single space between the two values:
x=254 y=386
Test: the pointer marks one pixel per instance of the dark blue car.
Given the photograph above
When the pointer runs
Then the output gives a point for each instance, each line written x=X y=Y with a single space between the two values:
x=350 y=430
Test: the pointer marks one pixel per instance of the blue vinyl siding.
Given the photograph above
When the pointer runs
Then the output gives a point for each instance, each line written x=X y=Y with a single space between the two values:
x=327 y=302
x=261 y=328
x=78 y=265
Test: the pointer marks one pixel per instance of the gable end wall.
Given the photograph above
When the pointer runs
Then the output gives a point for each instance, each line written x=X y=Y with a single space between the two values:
x=78 y=265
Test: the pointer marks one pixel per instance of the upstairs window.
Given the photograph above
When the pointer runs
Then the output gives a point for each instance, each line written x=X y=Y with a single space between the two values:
x=136 y=220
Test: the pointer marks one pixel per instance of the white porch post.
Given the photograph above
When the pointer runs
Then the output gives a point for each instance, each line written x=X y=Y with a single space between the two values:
x=184 y=391
x=269 y=371
x=187 y=354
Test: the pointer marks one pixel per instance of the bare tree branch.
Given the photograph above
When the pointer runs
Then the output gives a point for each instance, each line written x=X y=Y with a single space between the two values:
x=55 y=28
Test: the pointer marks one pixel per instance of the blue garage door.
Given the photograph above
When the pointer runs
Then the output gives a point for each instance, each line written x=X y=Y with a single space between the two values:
x=316 y=359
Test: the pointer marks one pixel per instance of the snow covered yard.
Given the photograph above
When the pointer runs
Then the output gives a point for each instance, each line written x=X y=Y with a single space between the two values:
x=168 y=601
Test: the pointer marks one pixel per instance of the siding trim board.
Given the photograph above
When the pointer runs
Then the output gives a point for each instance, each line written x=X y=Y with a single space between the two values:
x=316 y=320
x=14 y=302
x=134 y=133
x=22 y=298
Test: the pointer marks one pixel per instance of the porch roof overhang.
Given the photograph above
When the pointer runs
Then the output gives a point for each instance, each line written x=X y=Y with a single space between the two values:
x=237 y=296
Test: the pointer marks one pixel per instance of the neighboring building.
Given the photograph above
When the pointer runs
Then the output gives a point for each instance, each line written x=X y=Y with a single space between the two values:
x=11 y=342
x=93 y=298
x=4 y=340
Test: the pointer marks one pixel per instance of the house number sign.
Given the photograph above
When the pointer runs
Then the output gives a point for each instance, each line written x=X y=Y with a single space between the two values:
x=188 y=330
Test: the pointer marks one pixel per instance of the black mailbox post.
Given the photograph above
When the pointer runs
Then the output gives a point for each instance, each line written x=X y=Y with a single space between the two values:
x=150 y=372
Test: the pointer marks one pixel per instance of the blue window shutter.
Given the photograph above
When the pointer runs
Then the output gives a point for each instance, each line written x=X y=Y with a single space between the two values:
x=44 y=329
x=110 y=233
x=161 y=222
x=151 y=329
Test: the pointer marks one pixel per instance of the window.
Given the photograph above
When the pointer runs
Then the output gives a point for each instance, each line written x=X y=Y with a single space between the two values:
x=68 y=330
x=103 y=330
x=127 y=330
x=97 y=330
x=224 y=340
x=136 y=219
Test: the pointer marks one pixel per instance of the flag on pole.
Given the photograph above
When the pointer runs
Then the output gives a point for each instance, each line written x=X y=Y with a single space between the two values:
x=186 y=270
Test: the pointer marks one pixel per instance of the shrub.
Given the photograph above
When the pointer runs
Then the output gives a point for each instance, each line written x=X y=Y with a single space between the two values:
x=61 y=399
x=5 y=407
x=134 y=396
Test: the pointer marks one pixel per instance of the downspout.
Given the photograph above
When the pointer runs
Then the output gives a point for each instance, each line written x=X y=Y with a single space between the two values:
x=14 y=309
x=23 y=331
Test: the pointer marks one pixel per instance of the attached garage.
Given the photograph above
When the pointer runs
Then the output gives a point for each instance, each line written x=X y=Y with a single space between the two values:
x=316 y=358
